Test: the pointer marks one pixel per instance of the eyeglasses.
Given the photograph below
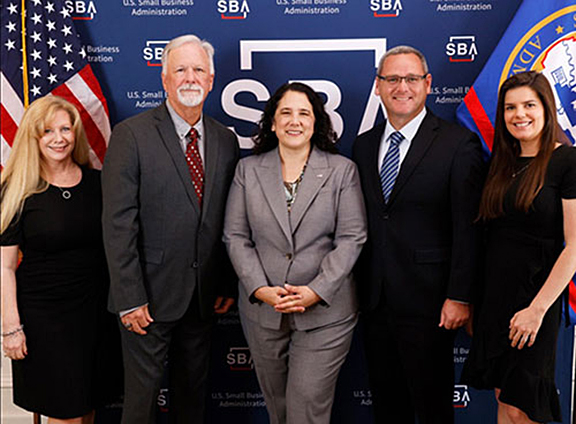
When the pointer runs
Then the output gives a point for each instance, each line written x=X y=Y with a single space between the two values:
x=396 y=79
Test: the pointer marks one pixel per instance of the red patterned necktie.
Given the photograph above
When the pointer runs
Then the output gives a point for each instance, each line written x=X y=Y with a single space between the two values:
x=194 y=162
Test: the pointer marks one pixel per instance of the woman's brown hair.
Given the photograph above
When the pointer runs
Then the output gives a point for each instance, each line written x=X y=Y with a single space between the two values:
x=506 y=149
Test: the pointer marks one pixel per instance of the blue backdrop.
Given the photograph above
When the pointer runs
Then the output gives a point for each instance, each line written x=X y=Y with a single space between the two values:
x=333 y=45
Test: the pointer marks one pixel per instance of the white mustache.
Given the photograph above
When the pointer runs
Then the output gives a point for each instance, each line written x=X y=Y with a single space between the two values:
x=195 y=87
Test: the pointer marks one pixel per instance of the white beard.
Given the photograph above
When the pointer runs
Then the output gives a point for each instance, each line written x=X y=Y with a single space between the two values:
x=190 y=99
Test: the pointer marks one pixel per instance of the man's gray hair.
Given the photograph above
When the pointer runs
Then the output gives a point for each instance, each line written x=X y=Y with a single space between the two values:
x=403 y=50
x=187 y=39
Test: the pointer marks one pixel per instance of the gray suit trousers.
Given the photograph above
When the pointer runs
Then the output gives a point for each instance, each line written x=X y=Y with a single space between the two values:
x=298 y=370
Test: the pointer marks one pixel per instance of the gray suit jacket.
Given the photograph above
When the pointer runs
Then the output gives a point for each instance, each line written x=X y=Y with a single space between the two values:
x=159 y=244
x=316 y=244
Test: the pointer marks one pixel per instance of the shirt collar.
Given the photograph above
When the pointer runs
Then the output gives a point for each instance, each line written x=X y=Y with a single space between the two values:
x=182 y=127
x=409 y=130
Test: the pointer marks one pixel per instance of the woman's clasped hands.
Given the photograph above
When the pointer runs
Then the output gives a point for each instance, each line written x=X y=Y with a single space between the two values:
x=288 y=299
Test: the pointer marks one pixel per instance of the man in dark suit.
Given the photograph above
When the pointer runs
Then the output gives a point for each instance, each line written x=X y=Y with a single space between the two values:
x=165 y=181
x=421 y=178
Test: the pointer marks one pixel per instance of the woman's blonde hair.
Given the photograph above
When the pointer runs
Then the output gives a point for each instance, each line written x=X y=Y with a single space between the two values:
x=25 y=171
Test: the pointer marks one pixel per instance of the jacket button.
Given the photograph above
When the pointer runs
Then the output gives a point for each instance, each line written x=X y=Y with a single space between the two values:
x=385 y=216
x=194 y=264
x=288 y=256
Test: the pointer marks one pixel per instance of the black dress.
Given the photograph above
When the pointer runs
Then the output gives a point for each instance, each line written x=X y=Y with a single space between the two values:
x=62 y=284
x=521 y=250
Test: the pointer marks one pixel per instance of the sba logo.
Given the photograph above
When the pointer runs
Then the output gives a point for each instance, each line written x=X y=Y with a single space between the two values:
x=233 y=9
x=239 y=359
x=81 y=9
x=152 y=53
x=461 y=396
x=386 y=8
x=162 y=400
x=461 y=48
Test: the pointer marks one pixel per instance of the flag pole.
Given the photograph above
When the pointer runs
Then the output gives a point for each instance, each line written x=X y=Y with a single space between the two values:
x=24 y=58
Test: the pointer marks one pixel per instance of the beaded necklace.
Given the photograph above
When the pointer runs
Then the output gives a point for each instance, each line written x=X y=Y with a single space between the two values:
x=290 y=189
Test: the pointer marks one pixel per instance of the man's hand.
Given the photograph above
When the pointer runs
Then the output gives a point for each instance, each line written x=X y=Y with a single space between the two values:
x=469 y=327
x=454 y=314
x=137 y=320
x=223 y=304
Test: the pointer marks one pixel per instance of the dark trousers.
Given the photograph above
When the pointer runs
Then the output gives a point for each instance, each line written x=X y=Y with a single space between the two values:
x=411 y=370
x=186 y=344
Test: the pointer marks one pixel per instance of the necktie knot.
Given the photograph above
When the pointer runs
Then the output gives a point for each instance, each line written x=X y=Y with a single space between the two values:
x=396 y=138
x=193 y=136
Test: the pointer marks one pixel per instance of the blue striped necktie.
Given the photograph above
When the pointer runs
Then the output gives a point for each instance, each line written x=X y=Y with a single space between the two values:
x=390 y=165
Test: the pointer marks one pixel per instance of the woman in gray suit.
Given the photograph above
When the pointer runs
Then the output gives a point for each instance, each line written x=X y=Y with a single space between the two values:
x=295 y=224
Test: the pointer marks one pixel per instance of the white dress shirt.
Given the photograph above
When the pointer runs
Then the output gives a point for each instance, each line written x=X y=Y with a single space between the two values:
x=408 y=131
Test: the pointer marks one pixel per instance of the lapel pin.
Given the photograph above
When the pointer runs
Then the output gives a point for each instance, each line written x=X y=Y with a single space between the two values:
x=320 y=175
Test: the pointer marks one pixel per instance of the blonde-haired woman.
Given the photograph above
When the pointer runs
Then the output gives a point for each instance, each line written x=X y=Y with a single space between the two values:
x=53 y=303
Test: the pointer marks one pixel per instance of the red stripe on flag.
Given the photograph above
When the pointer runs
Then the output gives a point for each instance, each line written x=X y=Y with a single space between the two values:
x=95 y=137
x=9 y=127
x=480 y=117
x=90 y=79
x=572 y=294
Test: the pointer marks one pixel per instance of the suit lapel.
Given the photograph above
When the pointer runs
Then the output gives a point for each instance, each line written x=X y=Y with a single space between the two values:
x=211 y=147
x=375 y=187
x=269 y=174
x=170 y=139
x=317 y=173
x=422 y=141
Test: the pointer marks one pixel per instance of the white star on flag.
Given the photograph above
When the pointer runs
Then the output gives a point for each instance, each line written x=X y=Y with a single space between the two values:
x=37 y=19
x=37 y=37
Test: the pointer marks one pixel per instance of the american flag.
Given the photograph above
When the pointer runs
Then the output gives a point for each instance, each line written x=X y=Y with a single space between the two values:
x=41 y=54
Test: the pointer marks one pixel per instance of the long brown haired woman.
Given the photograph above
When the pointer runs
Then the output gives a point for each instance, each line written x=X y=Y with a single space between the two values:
x=529 y=206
